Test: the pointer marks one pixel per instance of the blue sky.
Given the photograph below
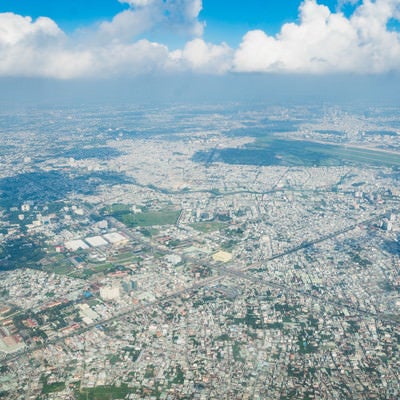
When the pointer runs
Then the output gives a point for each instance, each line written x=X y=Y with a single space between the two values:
x=229 y=20
x=108 y=38
x=68 y=14
x=226 y=20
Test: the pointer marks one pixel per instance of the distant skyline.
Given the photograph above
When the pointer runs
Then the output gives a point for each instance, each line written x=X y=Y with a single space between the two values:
x=129 y=38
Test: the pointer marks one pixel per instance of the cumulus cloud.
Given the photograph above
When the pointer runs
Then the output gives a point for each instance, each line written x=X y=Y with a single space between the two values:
x=199 y=56
x=16 y=29
x=40 y=48
x=342 y=3
x=184 y=14
x=28 y=47
x=127 y=25
x=326 y=42
x=322 y=41
x=137 y=3
x=130 y=59
x=179 y=16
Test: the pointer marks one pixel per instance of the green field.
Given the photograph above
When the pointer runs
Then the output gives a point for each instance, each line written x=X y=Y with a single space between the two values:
x=308 y=151
x=117 y=208
x=124 y=258
x=360 y=156
x=146 y=218
x=53 y=387
x=60 y=264
x=207 y=227
x=271 y=150
x=104 y=393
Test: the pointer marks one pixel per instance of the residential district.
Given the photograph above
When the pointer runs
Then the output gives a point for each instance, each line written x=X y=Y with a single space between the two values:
x=236 y=252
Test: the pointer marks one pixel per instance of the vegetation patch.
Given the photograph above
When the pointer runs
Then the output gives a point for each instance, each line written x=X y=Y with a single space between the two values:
x=271 y=150
x=53 y=387
x=105 y=393
x=207 y=227
x=146 y=218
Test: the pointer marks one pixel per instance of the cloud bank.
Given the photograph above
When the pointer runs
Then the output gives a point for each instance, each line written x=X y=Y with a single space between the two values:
x=320 y=42
x=326 y=42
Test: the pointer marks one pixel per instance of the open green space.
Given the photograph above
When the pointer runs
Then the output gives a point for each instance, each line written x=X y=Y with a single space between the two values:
x=100 y=267
x=53 y=387
x=92 y=269
x=272 y=150
x=207 y=227
x=20 y=253
x=146 y=218
x=117 y=208
x=60 y=269
x=237 y=356
x=105 y=393
x=125 y=258
x=60 y=264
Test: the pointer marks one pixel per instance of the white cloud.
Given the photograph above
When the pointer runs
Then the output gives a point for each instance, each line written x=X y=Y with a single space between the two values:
x=326 y=42
x=127 y=25
x=130 y=59
x=137 y=3
x=29 y=47
x=342 y=3
x=183 y=16
x=15 y=29
x=39 y=48
x=180 y=16
x=322 y=41
x=199 y=56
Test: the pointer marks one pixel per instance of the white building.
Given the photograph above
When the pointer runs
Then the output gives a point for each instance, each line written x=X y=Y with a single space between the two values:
x=109 y=293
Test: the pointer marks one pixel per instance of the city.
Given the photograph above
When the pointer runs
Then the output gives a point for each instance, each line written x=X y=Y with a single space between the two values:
x=197 y=252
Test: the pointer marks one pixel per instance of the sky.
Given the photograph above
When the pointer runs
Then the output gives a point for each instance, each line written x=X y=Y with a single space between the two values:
x=226 y=21
x=107 y=39
x=203 y=50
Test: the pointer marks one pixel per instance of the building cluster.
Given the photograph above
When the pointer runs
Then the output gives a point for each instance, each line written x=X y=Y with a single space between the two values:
x=130 y=276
